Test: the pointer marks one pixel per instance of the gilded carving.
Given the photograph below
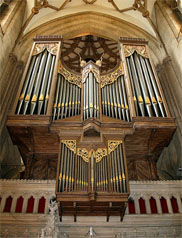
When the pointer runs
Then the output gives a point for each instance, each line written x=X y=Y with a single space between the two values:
x=110 y=78
x=40 y=47
x=113 y=144
x=82 y=152
x=100 y=153
x=69 y=76
x=140 y=49
x=70 y=144
x=90 y=67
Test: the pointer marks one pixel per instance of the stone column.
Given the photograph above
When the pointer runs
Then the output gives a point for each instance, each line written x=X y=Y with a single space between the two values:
x=14 y=202
x=147 y=203
x=48 y=198
x=25 y=203
x=178 y=198
x=158 y=203
x=136 y=202
x=168 y=200
x=36 y=203
x=3 y=201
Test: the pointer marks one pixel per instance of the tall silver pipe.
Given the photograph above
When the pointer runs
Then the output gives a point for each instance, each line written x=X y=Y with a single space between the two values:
x=97 y=95
x=84 y=102
x=67 y=98
x=116 y=170
x=67 y=169
x=44 y=83
x=56 y=97
x=119 y=169
x=70 y=99
x=64 y=168
x=121 y=98
x=73 y=101
x=117 y=99
x=26 y=83
x=94 y=98
x=143 y=85
x=125 y=98
x=108 y=100
x=114 y=100
x=122 y=168
x=63 y=99
x=60 y=95
x=49 y=83
x=111 y=100
x=106 y=172
x=92 y=171
x=86 y=93
x=73 y=173
x=103 y=101
x=61 y=167
x=70 y=171
x=137 y=86
x=152 y=78
x=149 y=86
x=76 y=101
x=32 y=80
x=77 y=179
x=132 y=87
x=79 y=100
x=38 y=82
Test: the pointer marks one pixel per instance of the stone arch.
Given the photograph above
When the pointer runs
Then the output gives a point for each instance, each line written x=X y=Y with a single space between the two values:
x=79 y=24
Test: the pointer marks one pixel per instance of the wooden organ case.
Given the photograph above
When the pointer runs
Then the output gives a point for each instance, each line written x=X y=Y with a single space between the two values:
x=91 y=131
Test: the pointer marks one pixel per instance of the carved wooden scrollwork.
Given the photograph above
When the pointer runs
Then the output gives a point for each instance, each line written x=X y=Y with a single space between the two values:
x=82 y=152
x=39 y=47
x=70 y=144
x=113 y=144
x=69 y=76
x=140 y=49
x=110 y=78
x=90 y=67
x=98 y=155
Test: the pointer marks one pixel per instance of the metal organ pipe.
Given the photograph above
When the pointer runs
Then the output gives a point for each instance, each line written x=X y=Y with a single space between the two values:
x=147 y=99
x=37 y=84
x=91 y=97
x=114 y=100
x=66 y=100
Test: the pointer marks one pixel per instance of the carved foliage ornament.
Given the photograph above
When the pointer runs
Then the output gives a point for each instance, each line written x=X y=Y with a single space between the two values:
x=113 y=144
x=130 y=49
x=98 y=155
x=110 y=78
x=70 y=144
x=70 y=77
x=40 y=47
x=90 y=67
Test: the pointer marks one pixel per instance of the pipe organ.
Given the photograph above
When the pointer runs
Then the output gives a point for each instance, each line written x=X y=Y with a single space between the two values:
x=94 y=130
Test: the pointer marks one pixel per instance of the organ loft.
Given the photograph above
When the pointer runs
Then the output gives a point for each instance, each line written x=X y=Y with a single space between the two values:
x=90 y=112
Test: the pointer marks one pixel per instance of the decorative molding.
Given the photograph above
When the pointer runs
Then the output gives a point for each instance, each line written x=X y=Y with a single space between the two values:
x=140 y=49
x=113 y=144
x=89 y=1
x=113 y=76
x=70 y=144
x=98 y=154
x=69 y=76
x=90 y=67
x=40 y=47
x=82 y=152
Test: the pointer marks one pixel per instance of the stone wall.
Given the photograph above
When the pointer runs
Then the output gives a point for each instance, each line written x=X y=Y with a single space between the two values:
x=28 y=224
x=170 y=74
